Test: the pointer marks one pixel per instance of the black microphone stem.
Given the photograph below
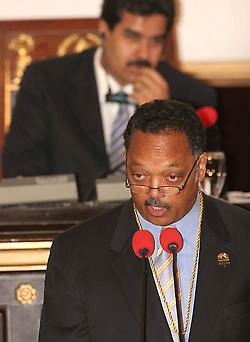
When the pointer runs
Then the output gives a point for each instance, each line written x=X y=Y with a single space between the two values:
x=144 y=298
x=178 y=299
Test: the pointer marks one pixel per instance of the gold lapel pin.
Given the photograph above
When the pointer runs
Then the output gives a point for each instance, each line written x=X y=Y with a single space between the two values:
x=223 y=259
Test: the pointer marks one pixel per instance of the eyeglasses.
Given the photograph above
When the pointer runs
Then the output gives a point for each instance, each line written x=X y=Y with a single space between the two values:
x=164 y=189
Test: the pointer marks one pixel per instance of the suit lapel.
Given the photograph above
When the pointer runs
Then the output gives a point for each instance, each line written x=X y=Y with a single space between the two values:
x=84 y=102
x=126 y=266
x=212 y=278
x=128 y=271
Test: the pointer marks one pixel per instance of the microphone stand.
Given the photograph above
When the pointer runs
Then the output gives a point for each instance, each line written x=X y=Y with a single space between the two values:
x=143 y=245
x=178 y=300
x=144 y=300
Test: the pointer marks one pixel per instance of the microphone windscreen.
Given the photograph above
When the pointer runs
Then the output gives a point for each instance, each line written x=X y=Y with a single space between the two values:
x=208 y=116
x=143 y=243
x=171 y=236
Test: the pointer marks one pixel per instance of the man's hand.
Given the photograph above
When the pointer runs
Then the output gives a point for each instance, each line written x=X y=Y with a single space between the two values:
x=150 y=85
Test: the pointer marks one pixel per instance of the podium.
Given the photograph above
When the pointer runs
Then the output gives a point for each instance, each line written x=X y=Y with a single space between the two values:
x=26 y=234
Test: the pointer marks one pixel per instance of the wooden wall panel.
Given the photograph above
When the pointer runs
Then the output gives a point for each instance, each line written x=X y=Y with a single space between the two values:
x=234 y=110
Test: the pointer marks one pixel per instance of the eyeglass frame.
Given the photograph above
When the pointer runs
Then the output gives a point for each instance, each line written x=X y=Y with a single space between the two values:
x=180 y=188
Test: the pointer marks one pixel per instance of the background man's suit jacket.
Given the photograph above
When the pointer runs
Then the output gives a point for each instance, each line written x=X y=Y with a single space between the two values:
x=94 y=281
x=57 y=128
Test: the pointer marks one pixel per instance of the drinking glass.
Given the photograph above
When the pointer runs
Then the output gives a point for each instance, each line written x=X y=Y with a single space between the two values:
x=215 y=174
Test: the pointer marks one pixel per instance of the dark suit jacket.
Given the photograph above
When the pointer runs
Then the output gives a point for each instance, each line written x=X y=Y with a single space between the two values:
x=94 y=281
x=56 y=126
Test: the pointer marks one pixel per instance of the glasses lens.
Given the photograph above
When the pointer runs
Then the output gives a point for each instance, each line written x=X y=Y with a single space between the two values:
x=139 y=189
x=169 y=190
x=144 y=189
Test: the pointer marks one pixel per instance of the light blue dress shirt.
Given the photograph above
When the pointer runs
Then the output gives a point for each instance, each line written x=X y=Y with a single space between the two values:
x=188 y=227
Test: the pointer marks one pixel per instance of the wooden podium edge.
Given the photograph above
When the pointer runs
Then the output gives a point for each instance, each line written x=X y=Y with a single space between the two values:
x=24 y=256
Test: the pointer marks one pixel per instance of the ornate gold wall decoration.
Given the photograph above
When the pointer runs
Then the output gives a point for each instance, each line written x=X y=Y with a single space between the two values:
x=25 y=293
x=76 y=43
x=22 y=45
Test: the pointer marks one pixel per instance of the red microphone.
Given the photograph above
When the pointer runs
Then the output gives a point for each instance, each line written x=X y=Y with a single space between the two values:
x=171 y=240
x=208 y=116
x=143 y=243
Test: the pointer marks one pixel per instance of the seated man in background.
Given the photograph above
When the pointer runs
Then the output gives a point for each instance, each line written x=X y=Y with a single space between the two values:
x=68 y=116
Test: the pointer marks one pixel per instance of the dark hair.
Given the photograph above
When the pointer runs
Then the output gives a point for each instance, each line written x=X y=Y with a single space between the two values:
x=112 y=10
x=161 y=116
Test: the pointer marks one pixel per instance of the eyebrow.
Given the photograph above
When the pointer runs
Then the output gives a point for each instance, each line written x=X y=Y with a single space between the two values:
x=140 y=34
x=129 y=30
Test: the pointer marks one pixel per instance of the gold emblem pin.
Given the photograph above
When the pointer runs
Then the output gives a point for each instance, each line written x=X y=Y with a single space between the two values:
x=223 y=259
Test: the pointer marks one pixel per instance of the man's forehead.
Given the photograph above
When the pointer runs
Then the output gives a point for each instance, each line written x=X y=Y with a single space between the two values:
x=137 y=22
x=167 y=137
x=161 y=132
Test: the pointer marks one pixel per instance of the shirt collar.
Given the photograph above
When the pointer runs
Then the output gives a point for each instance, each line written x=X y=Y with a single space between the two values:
x=187 y=225
x=105 y=81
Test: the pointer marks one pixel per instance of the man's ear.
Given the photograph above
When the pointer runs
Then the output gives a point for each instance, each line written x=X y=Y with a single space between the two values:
x=103 y=29
x=125 y=156
x=202 y=167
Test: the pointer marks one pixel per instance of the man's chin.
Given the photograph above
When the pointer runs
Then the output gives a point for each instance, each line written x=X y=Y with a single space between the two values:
x=160 y=221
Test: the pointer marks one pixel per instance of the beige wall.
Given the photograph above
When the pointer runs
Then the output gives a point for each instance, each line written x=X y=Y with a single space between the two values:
x=214 y=30
x=41 y=9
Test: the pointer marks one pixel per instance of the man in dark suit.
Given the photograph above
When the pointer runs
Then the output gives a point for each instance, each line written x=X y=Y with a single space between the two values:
x=93 y=287
x=62 y=122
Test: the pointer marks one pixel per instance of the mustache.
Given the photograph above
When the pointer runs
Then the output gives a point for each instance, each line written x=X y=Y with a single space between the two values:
x=156 y=203
x=140 y=63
